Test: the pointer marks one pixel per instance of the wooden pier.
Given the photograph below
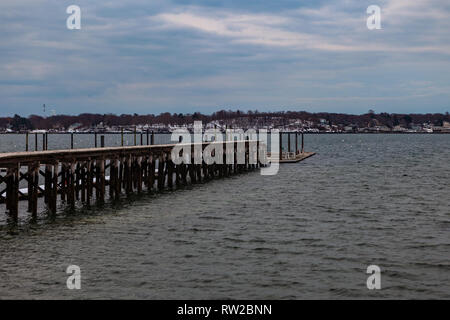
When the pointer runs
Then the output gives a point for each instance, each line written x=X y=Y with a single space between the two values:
x=85 y=176
x=292 y=157
x=88 y=175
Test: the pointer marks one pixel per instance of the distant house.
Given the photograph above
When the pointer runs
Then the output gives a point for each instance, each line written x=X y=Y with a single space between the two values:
x=74 y=127
x=348 y=129
x=384 y=129
x=399 y=129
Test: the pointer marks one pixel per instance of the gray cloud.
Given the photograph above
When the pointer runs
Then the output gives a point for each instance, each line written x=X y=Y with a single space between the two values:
x=141 y=56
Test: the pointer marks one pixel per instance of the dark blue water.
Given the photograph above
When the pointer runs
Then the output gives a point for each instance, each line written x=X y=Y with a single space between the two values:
x=308 y=232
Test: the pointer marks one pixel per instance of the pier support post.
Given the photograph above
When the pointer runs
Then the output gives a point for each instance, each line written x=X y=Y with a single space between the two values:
x=281 y=145
x=30 y=178
x=71 y=185
x=32 y=188
x=161 y=174
x=258 y=162
x=170 y=170
x=83 y=182
x=151 y=174
x=47 y=183
x=77 y=180
x=120 y=177
x=12 y=191
x=303 y=142
x=54 y=190
x=139 y=173
x=63 y=190
x=101 y=180
x=289 y=143
x=129 y=175
x=34 y=196
x=112 y=178
x=89 y=177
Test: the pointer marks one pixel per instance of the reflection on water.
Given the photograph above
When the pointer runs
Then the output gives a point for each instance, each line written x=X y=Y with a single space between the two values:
x=308 y=232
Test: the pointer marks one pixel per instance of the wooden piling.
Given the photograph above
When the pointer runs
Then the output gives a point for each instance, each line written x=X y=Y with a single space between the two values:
x=12 y=191
x=83 y=183
x=35 y=191
x=89 y=177
x=30 y=178
x=53 y=194
x=151 y=174
x=71 y=185
x=129 y=175
x=289 y=142
x=101 y=181
x=47 y=183
x=121 y=175
x=170 y=172
x=303 y=142
x=161 y=174
x=63 y=188
x=77 y=180
x=139 y=172
x=281 y=144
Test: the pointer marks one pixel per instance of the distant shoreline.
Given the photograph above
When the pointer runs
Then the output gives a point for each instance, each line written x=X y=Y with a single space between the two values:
x=165 y=132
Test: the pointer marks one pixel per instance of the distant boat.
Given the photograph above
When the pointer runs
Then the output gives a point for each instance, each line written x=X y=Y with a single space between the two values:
x=39 y=131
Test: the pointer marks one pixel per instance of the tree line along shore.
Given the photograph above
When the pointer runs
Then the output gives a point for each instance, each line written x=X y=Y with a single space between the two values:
x=322 y=122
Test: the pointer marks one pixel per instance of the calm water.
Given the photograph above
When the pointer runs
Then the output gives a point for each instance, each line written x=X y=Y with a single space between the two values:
x=308 y=232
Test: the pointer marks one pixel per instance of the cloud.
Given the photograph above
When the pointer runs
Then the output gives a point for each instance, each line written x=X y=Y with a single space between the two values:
x=285 y=30
x=184 y=56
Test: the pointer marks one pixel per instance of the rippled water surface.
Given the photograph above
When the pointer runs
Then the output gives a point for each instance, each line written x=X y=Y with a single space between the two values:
x=308 y=232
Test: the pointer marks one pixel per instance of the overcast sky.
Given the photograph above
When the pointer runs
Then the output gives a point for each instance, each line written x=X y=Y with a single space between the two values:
x=153 y=56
